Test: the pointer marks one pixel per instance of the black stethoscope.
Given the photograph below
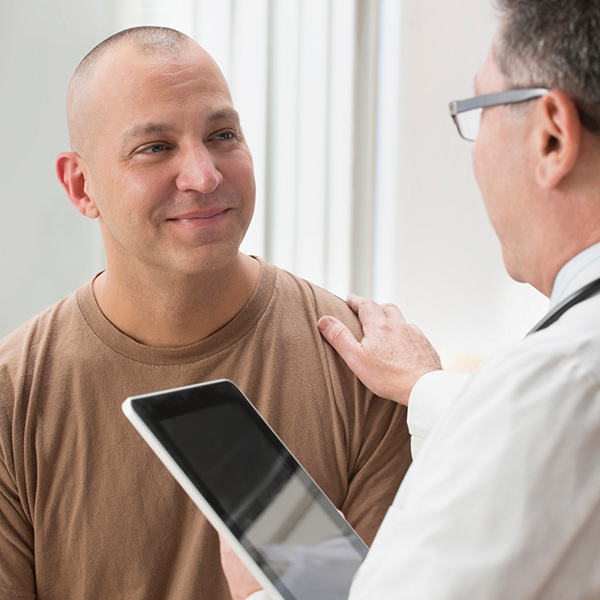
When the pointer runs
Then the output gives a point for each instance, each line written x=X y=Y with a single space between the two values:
x=579 y=296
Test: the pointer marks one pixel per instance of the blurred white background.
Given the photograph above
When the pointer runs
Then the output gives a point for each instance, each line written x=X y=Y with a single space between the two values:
x=363 y=183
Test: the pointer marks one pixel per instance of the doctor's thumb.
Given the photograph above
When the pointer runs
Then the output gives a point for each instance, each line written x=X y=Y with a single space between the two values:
x=340 y=337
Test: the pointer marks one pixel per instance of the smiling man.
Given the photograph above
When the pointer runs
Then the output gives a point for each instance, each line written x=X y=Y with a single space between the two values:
x=159 y=159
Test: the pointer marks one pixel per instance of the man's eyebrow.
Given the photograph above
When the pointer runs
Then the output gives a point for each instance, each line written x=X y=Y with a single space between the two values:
x=152 y=128
x=146 y=129
x=224 y=114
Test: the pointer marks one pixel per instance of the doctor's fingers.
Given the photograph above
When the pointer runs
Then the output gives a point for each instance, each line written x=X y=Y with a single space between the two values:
x=375 y=315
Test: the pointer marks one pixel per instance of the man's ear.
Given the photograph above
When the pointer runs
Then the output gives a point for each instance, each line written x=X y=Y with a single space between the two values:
x=72 y=176
x=558 y=139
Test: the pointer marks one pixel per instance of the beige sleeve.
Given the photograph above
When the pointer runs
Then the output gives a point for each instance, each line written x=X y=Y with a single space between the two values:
x=17 y=577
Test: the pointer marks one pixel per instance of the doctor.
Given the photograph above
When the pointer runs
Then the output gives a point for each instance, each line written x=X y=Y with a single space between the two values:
x=503 y=499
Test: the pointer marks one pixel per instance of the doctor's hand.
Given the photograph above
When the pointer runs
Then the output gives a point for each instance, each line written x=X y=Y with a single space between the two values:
x=392 y=355
x=241 y=583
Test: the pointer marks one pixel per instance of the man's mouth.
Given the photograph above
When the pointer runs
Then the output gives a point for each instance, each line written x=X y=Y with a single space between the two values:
x=199 y=217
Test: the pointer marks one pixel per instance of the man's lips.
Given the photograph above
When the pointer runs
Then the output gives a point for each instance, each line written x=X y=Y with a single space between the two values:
x=200 y=215
x=205 y=218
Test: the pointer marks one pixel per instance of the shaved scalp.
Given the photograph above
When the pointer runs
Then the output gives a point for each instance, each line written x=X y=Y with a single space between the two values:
x=148 y=39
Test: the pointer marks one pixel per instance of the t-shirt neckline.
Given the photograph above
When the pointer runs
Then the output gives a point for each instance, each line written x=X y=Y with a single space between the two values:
x=217 y=342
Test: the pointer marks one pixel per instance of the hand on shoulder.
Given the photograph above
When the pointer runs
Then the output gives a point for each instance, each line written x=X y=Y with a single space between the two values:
x=392 y=356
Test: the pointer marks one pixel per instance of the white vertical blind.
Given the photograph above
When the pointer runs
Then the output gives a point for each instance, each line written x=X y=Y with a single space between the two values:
x=340 y=136
x=281 y=195
x=388 y=178
x=312 y=138
x=364 y=152
x=248 y=76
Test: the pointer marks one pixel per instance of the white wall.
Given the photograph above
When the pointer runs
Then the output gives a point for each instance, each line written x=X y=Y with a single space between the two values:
x=46 y=248
x=450 y=278
x=443 y=265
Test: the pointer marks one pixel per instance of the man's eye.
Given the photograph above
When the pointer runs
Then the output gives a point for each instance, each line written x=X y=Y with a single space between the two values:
x=224 y=135
x=154 y=148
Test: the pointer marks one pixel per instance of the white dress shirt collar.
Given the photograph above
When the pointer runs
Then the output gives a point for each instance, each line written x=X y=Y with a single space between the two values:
x=578 y=272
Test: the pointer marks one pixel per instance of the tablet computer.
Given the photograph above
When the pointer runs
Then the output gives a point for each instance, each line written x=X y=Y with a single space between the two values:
x=251 y=489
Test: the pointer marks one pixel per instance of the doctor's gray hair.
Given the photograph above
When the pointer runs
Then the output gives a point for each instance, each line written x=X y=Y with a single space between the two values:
x=553 y=44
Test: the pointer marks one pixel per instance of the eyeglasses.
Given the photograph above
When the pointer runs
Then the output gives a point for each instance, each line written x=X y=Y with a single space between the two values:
x=467 y=113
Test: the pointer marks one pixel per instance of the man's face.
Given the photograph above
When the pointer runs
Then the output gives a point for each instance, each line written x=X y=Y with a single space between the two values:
x=166 y=164
x=503 y=171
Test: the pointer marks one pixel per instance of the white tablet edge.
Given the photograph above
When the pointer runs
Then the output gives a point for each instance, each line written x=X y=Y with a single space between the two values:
x=196 y=496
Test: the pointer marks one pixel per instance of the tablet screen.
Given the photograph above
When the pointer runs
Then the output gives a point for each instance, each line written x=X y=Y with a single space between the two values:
x=258 y=489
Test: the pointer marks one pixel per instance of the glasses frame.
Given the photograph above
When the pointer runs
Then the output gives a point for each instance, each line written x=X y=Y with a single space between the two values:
x=507 y=97
x=495 y=99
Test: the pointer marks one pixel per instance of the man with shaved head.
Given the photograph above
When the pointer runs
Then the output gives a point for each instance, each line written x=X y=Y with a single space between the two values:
x=159 y=159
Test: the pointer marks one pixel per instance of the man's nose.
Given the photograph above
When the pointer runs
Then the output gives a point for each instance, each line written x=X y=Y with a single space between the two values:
x=198 y=171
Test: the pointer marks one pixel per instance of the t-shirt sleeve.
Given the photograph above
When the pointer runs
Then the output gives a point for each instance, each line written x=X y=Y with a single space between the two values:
x=381 y=463
x=382 y=457
x=376 y=436
x=17 y=576
x=16 y=543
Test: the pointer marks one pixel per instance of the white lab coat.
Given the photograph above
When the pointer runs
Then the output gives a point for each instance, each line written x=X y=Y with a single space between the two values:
x=503 y=498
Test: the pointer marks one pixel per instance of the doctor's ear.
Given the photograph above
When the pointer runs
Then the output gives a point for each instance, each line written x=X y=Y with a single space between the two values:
x=72 y=176
x=558 y=138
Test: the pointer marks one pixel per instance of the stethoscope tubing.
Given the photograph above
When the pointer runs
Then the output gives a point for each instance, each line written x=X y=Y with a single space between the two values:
x=579 y=296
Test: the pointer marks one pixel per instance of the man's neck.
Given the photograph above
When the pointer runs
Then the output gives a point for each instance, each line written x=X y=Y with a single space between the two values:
x=179 y=311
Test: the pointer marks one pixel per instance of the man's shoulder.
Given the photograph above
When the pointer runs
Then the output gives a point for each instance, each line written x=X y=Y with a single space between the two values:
x=294 y=289
x=50 y=322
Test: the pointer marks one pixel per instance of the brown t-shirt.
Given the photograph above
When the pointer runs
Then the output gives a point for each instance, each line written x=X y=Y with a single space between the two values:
x=86 y=509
